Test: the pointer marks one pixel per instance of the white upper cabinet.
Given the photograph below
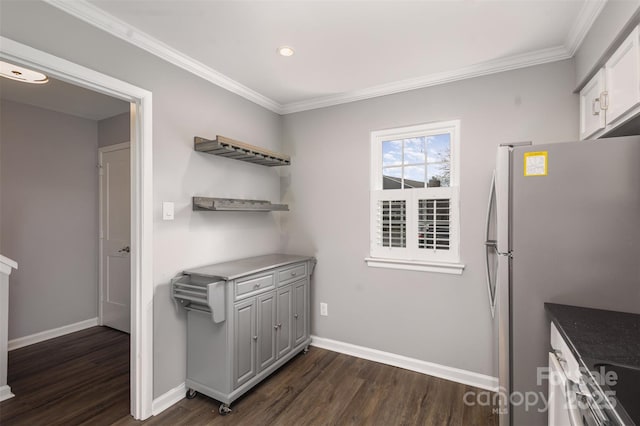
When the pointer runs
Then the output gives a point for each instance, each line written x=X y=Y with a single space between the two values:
x=592 y=117
x=612 y=96
x=623 y=77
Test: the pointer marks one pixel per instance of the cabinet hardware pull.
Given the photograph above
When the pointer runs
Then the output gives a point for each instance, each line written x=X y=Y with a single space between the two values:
x=256 y=286
x=295 y=316
x=279 y=325
x=275 y=327
x=293 y=274
x=593 y=106
x=255 y=337
x=604 y=100
x=559 y=356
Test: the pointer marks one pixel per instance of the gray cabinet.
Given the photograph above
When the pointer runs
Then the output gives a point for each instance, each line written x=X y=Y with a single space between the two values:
x=266 y=336
x=283 y=326
x=245 y=319
x=244 y=316
x=300 y=325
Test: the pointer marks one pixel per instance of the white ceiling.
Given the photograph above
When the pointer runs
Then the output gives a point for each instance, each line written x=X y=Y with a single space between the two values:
x=62 y=97
x=345 y=50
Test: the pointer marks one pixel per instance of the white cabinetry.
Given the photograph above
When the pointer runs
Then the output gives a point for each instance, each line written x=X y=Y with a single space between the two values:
x=623 y=77
x=612 y=96
x=592 y=117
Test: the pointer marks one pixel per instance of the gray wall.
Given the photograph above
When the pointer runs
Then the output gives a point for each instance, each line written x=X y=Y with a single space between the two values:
x=114 y=130
x=49 y=186
x=614 y=16
x=432 y=317
x=183 y=106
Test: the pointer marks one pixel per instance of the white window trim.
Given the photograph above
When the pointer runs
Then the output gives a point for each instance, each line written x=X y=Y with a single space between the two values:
x=415 y=265
x=401 y=259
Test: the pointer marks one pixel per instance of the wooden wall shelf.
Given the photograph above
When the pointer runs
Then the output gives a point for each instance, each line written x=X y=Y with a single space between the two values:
x=230 y=148
x=232 y=204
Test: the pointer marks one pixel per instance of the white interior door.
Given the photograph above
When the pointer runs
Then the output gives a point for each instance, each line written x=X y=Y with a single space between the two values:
x=115 y=237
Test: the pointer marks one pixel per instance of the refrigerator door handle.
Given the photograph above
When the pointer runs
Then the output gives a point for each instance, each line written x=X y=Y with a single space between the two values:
x=490 y=245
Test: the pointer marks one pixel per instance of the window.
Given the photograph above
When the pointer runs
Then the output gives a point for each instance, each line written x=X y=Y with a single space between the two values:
x=414 y=197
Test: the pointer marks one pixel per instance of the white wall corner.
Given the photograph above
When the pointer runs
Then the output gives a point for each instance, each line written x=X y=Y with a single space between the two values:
x=51 y=334
x=458 y=375
x=168 y=398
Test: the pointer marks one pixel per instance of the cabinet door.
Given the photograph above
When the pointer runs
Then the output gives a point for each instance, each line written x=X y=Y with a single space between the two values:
x=283 y=334
x=266 y=330
x=300 y=316
x=623 y=77
x=560 y=412
x=592 y=118
x=244 y=316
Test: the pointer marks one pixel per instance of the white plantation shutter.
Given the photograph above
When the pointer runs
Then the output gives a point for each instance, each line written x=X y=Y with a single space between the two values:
x=392 y=223
x=427 y=234
x=434 y=224
x=389 y=220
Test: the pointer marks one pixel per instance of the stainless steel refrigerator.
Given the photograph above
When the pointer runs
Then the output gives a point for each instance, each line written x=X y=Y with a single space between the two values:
x=563 y=226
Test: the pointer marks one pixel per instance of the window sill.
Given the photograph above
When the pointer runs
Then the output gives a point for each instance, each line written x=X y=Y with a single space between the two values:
x=413 y=265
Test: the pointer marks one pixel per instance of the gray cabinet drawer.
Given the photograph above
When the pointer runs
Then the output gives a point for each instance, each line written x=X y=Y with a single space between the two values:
x=292 y=273
x=253 y=285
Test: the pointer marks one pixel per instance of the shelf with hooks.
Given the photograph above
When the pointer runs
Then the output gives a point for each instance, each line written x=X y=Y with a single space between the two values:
x=236 y=150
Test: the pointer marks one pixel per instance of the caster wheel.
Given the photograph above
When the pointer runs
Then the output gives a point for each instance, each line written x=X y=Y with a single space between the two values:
x=191 y=394
x=224 y=409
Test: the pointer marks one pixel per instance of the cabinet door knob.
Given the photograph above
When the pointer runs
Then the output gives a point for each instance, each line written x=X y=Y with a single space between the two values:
x=295 y=316
x=275 y=327
x=255 y=337
x=279 y=325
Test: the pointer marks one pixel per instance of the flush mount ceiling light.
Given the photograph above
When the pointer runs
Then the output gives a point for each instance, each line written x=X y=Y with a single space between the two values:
x=285 y=51
x=14 y=72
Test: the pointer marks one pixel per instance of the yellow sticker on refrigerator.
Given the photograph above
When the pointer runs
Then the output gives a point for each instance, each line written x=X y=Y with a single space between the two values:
x=535 y=163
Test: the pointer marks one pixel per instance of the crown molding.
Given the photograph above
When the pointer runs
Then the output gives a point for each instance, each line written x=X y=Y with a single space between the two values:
x=97 y=17
x=491 y=67
x=588 y=14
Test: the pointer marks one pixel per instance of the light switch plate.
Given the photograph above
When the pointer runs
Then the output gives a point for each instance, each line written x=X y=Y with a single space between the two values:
x=167 y=210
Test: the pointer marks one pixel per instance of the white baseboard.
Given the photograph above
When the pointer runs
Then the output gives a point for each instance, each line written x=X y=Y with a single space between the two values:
x=167 y=399
x=50 y=334
x=466 y=377
x=5 y=392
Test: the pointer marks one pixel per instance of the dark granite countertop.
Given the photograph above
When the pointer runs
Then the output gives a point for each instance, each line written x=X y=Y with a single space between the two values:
x=597 y=336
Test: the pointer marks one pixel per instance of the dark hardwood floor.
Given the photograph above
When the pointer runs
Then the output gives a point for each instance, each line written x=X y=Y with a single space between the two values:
x=79 y=378
x=83 y=378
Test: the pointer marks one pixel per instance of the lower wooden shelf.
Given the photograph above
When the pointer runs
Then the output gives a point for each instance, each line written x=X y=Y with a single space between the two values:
x=232 y=204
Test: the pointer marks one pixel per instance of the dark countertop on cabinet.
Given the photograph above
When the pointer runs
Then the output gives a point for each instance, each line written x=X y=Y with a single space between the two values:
x=597 y=336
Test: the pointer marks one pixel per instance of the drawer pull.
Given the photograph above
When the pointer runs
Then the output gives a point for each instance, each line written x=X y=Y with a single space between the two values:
x=255 y=337
x=275 y=327
x=295 y=316
x=294 y=273
x=257 y=285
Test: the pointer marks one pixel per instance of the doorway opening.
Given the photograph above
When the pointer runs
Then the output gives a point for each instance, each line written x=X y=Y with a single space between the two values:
x=141 y=218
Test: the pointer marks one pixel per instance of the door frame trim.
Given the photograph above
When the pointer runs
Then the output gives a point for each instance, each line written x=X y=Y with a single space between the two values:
x=101 y=151
x=141 y=353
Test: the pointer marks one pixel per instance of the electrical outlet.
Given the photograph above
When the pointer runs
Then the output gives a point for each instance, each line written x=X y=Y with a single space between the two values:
x=324 y=309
